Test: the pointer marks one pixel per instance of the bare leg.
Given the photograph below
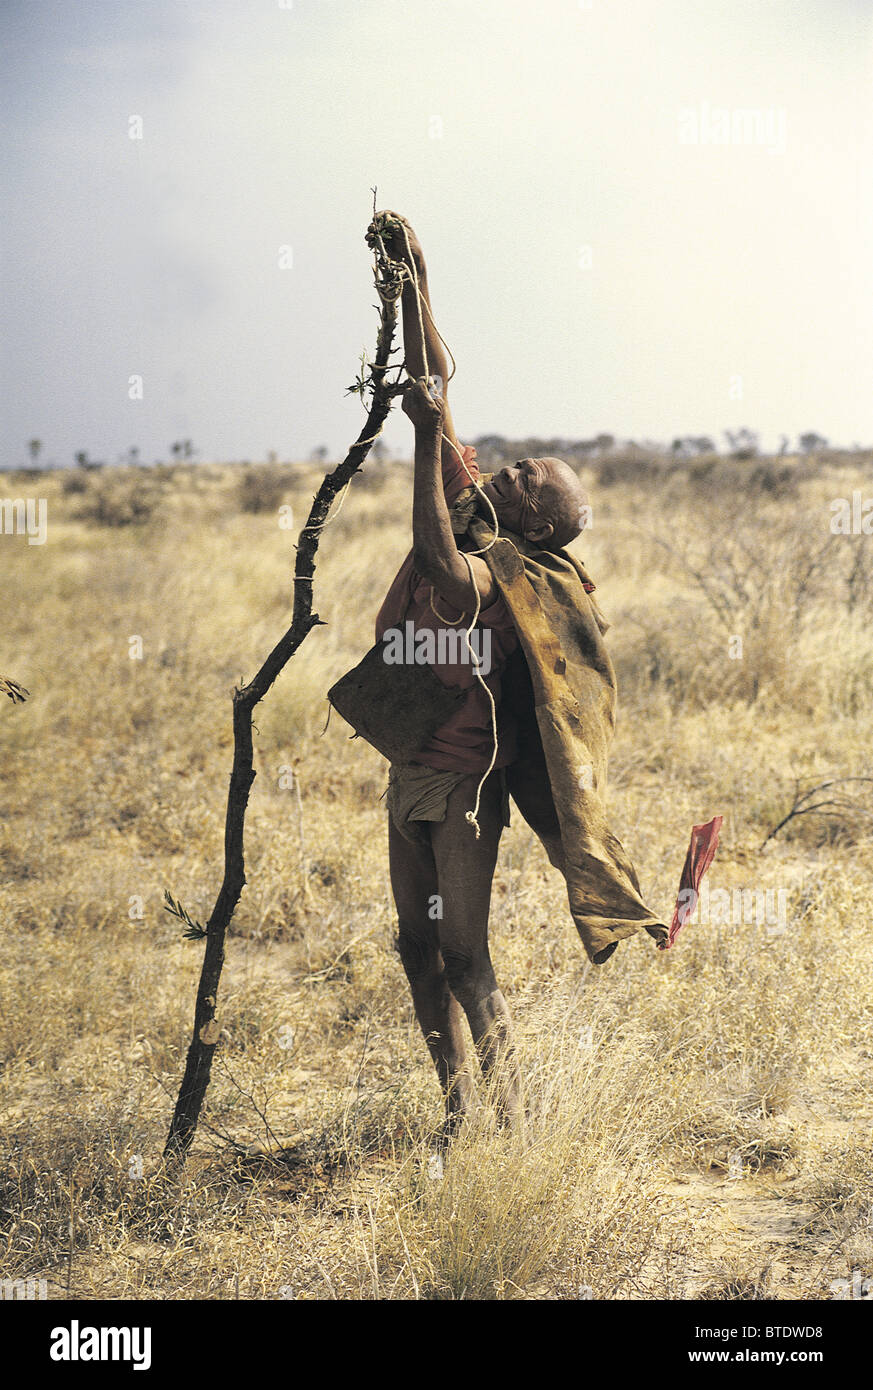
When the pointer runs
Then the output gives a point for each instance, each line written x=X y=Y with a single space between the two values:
x=465 y=868
x=414 y=884
x=534 y=799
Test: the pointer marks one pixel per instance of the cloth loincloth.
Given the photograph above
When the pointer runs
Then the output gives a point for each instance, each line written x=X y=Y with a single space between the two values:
x=417 y=793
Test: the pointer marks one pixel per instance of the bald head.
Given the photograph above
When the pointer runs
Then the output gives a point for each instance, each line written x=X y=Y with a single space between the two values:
x=560 y=500
x=540 y=499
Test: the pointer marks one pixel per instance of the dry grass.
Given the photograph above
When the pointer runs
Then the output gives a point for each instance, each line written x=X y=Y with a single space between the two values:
x=700 y=1122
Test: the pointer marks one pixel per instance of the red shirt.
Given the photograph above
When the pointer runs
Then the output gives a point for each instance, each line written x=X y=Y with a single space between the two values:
x=465 y=742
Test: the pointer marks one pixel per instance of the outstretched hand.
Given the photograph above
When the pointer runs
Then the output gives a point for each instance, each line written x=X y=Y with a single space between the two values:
x=392 y=227
x=424 y=403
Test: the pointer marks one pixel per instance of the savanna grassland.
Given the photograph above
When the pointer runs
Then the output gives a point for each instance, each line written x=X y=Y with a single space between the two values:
x=701 y=1120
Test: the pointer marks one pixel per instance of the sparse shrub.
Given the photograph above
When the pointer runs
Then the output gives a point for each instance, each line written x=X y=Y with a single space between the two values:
x=263 y=488
x=118 y=497
x=74 y=482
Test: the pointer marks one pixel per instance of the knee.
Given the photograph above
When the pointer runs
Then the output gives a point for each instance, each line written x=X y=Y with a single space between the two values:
x=470 y=975
x=417 y=948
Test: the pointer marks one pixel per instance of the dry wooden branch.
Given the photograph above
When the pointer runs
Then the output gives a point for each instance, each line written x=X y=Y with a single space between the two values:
x=373 y=379
x=804 y=806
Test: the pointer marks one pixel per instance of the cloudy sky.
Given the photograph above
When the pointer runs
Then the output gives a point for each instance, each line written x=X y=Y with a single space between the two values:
x=646 y=217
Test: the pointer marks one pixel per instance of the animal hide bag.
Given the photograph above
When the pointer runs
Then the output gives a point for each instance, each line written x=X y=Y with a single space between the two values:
x=396 y=708
x=563 y=696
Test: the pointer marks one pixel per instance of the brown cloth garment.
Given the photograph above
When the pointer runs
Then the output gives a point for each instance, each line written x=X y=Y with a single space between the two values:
x=563 y=694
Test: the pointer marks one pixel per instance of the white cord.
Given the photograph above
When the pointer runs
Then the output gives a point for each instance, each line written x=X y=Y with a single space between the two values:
x=470 y=816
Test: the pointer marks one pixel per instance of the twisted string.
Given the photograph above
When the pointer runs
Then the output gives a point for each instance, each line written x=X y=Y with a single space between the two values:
x=470 y=816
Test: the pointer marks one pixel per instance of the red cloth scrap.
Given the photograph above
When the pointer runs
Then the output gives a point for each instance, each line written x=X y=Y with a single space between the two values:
x=701 y=852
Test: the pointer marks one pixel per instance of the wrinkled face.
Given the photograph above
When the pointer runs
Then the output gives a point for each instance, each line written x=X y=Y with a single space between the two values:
x=540 y=499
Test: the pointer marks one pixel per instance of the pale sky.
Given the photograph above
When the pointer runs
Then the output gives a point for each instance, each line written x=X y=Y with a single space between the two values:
x=513 y=135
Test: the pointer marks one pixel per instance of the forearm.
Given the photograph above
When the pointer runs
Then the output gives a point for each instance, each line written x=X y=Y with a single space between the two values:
x=435 y=552
x=412 y=332
x=432 y=537
x=424 y=351
x=437 y=364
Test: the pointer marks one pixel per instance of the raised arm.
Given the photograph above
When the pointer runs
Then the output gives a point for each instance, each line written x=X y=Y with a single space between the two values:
x=402 y=244
x=435 y=551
